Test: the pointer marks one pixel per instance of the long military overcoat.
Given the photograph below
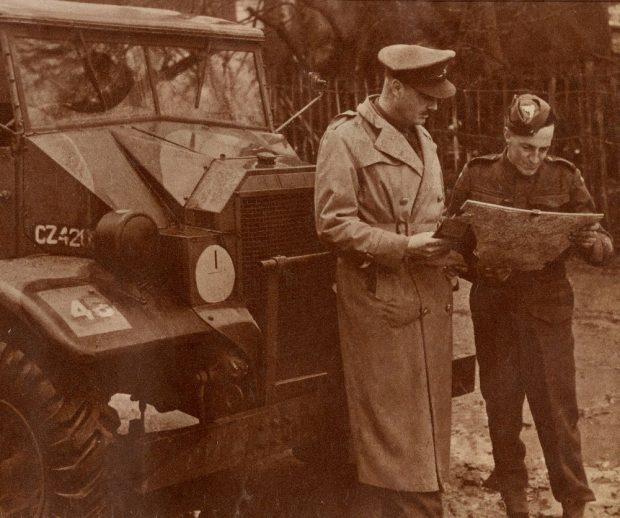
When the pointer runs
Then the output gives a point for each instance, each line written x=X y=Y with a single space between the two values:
x=372 y=191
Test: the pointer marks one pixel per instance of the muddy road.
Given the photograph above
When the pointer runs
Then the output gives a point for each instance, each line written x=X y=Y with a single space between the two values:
x=286 y=488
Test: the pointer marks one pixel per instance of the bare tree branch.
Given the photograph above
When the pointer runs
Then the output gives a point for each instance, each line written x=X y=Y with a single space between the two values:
x=485 y=54
x=283 y=34
x=329 y=18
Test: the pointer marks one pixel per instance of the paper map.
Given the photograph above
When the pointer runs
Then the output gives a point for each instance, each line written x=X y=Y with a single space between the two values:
x=521 y=239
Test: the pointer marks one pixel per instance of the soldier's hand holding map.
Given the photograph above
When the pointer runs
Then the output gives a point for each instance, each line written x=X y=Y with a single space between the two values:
x=586 y=236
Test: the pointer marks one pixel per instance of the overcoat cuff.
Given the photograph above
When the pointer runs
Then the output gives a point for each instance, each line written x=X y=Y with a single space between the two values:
x=390 y=249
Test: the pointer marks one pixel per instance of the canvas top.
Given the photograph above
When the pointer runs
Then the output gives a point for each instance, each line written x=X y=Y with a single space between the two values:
x=99 y=16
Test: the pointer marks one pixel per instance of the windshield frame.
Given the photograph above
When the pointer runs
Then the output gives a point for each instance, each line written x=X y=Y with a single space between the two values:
x=146 y=40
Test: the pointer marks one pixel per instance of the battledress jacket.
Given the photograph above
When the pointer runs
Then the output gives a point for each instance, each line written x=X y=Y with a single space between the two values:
x=372 y=191
x=544 y=295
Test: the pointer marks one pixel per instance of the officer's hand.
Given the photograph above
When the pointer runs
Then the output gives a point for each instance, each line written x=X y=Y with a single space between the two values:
x=585 y=237
x=495 y=274
x=425 y=246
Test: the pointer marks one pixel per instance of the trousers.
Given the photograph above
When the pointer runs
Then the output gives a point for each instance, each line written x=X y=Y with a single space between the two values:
x=525 y=348
x=377 y=502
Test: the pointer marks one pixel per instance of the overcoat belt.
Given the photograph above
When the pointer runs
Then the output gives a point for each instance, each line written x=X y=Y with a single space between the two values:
x=372 y=192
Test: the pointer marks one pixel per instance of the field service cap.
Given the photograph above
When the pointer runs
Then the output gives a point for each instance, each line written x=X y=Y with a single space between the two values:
x=527 y=114
x=420 y=67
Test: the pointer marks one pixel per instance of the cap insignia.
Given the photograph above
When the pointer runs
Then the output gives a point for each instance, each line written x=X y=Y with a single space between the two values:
x=528 y=110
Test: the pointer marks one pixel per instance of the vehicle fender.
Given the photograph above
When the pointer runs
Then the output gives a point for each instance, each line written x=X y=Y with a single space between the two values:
x=236 y=323
x=76 y=306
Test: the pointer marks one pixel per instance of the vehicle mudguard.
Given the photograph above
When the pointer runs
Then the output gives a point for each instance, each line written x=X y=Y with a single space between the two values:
x=76 y=305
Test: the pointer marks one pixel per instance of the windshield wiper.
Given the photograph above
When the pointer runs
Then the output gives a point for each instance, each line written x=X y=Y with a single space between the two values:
x=202 y=72
x=90 y=71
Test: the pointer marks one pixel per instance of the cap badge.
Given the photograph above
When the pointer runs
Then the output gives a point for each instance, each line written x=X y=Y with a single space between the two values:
x=528 y=110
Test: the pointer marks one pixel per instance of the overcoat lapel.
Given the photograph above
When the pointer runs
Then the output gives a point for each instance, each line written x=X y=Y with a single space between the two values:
x=393 y=143
x=389 y=140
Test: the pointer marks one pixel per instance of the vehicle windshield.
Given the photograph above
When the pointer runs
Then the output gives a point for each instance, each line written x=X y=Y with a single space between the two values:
x=73 y=81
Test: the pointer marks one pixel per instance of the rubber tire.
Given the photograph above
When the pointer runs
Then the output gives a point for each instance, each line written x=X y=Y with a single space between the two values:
x=73 y=434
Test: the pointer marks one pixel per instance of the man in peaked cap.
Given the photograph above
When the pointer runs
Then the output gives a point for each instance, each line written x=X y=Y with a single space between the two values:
x=379 y=197
x=420 y=67
x=522 y=320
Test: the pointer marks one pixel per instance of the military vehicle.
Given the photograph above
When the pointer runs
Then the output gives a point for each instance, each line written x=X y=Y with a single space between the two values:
x=157 y=240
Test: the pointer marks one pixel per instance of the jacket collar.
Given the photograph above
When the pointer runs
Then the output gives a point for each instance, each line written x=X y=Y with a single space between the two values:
x=391 y=141
x=511 y=172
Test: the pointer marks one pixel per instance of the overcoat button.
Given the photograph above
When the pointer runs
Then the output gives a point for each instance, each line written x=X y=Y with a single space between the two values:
x=425 y=311
x=440 y=198
x=448 y=308
x=404 y=201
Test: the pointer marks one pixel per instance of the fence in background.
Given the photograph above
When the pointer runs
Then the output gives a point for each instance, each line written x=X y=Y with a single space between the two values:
x=586 y=98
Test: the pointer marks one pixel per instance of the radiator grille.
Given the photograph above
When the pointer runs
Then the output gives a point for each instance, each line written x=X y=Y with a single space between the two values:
x=283 y=224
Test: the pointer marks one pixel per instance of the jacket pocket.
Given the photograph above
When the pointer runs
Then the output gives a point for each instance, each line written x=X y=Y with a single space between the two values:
x=551 y=302
x=551 y=313
x=489 y=197
x=399 y=303
x=550 y=202
x=551 y=293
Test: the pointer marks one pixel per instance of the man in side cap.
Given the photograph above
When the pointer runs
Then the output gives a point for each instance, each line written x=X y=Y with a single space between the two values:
x=522 y=320
x=379 y=197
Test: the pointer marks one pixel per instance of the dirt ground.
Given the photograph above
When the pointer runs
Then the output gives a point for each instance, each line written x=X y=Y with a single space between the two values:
x=287 y=488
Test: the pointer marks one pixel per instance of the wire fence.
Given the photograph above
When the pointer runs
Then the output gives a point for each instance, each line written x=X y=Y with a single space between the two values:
x=586 y=98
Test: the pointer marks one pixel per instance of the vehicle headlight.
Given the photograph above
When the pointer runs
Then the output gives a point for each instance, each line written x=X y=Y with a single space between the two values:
x=126 y=240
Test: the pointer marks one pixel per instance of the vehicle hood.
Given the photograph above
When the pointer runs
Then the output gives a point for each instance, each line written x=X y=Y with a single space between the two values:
x=132 y=165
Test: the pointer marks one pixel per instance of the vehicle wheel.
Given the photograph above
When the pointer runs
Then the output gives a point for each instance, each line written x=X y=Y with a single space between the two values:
x=52 y=446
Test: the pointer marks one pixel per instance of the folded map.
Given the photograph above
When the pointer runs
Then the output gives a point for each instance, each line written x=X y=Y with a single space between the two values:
x=521 y=239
